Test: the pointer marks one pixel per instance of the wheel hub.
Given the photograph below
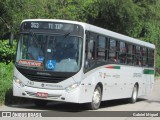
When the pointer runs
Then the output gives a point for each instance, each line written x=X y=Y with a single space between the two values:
x=96 y=97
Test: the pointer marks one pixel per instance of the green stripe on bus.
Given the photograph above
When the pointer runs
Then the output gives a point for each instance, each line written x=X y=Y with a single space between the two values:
x=117 y=67
x=148 y=71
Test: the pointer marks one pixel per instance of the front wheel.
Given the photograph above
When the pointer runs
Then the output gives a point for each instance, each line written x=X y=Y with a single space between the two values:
x=96 y=99
x=133 y=98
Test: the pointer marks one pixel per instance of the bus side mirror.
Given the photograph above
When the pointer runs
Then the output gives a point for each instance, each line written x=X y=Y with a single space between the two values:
x=11 y=39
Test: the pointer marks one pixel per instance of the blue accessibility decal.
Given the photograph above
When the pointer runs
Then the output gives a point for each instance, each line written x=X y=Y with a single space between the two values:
x=51 y=64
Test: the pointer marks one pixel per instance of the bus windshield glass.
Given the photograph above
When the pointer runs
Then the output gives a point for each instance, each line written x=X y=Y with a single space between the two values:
x=49 y=52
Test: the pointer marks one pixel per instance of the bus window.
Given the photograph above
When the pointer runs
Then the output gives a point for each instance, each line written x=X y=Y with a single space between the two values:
x=101 y=48
x=144 y=56
x=24 y=48
x=150 y=58
x=112 y=51
x=138 y=56
x=92 y=39
x=122 y=52
x=90 y=50
x=130 y=54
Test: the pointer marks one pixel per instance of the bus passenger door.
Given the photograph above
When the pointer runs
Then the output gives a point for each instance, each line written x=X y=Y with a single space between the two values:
x=149 y=72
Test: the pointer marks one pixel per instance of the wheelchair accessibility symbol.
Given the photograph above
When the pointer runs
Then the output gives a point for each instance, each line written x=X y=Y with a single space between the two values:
x=51 y=64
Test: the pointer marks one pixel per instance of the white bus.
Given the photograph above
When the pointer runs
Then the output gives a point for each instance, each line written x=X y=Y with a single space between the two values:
x=69 y=61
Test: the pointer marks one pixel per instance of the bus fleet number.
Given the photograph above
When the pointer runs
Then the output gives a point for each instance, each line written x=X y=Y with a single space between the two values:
x=34 y=25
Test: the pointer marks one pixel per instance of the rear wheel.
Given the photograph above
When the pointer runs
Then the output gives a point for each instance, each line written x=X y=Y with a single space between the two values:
x=96 y=99
x=133 y=98
x=40 y=103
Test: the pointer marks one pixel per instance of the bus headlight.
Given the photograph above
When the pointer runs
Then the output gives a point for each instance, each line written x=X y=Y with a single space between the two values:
x=18 y=81
x=72 y=87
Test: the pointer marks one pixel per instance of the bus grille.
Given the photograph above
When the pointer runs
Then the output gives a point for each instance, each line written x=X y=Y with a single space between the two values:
x=46 y=79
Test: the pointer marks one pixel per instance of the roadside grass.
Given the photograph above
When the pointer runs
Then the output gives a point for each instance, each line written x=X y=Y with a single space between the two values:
x=6 y=88
x=6 y=77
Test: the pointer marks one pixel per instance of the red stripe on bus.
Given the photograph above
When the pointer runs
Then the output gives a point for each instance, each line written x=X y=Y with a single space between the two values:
x=111 y=67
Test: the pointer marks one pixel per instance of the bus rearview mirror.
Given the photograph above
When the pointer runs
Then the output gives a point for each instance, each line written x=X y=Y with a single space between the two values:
x=11 y=39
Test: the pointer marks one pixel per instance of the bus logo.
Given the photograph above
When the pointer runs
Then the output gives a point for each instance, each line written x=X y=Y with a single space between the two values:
x=42 y=84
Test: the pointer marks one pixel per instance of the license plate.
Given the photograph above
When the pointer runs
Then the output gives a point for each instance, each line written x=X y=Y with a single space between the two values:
x=41 y=94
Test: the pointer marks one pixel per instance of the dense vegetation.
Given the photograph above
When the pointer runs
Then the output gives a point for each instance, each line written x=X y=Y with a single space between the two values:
x=136 y=18
x=6 y=77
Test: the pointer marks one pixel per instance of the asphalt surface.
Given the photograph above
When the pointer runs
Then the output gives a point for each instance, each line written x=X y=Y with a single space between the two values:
x=150 y=103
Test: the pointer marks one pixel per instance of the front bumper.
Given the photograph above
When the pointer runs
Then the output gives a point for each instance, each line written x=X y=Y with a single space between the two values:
x=54 y=95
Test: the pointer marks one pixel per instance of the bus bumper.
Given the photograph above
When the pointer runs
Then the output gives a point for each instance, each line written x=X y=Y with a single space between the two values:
x=46 y=94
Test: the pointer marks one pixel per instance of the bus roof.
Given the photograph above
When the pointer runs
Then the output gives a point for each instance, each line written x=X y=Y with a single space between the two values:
x=101 y=31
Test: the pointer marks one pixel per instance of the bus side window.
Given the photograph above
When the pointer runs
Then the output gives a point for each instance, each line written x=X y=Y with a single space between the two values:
x=122 y=52
x=112 y=51
x=134 y=54
x=101 y=48
x=153 y=53
x=144 y=56
x=91 y=46
x=138 y=56
x=90 y=50
x=130 y=56
x=150 y=58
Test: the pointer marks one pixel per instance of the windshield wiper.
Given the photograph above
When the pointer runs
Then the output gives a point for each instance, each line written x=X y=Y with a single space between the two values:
x=66 y=35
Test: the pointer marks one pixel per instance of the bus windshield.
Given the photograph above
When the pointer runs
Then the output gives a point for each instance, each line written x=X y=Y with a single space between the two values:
x=49 y=52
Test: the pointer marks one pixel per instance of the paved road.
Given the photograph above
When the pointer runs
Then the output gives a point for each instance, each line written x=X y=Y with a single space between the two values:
x=148 y=103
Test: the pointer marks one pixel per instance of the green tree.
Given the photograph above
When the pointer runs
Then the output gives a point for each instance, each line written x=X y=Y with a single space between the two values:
x=4 y=21
x=135 y=18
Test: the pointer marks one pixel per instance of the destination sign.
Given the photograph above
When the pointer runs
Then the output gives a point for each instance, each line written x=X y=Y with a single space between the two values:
x=56 y=27
x=44 y=25
x=51 y=26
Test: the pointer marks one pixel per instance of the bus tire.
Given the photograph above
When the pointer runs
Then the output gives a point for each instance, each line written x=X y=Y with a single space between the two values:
x=40 y=103
x=133 y=98
x=96 y=98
